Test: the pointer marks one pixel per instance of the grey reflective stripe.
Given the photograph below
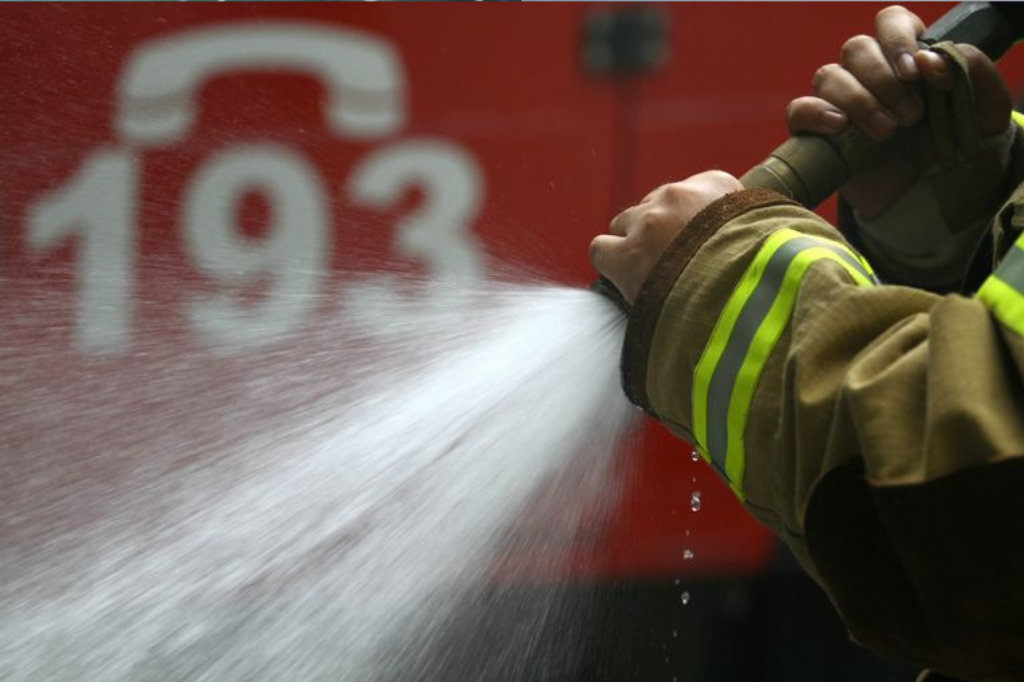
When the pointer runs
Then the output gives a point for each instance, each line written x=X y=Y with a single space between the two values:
x=848 y=257
x=750 y=318
x=1011 y=270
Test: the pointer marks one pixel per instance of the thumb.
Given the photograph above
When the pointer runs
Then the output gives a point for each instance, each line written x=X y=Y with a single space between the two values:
x=606 y=257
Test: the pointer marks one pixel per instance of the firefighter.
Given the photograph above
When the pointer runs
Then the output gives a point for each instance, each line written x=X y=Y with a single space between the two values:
x=854 y=400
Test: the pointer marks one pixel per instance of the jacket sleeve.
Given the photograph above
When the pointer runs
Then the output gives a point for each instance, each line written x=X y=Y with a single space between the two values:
x=876 y=429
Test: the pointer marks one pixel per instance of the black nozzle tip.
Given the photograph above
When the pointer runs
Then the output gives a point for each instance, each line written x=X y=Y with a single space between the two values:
x=604 y=287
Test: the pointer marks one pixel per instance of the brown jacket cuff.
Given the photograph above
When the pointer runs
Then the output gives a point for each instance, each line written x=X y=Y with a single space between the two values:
x=643 y=317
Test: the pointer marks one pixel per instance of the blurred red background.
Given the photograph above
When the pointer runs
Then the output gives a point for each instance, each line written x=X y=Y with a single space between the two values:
x=547 y=149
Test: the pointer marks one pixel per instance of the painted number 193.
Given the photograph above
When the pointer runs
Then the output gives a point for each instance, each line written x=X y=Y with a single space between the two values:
x=98 y=207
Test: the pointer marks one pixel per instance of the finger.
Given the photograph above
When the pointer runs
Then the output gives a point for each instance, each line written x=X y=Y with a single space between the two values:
x=897 y=29
x=862 y=56
x=934 y=69
x=604 y=252
x=836 y=85
x=651 y=196
x=622 y=223
x=815 y=115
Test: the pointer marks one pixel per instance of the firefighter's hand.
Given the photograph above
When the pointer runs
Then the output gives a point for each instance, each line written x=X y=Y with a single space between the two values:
x=640 y=234
x=877 y=87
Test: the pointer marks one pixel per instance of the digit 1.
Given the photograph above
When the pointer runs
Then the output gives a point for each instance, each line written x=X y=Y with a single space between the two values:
x=97 y=206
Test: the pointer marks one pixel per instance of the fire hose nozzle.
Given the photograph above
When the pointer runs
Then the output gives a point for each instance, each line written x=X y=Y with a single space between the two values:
x=604 y=286
x=810 y=168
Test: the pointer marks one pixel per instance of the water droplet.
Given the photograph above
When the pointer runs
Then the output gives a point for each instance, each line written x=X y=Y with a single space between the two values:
x=695 y=501
x=675 y=634
x=687 y=554
x=685 y=598
x=678 y=581
x=694 y=455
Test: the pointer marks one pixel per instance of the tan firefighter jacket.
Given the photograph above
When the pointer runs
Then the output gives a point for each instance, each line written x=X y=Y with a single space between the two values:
x=877 y=429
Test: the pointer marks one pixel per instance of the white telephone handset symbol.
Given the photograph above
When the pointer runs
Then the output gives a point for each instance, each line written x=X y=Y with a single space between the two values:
x=363 y=77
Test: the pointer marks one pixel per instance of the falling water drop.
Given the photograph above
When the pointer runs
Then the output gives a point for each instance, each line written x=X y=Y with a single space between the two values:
x=695 y=501
x=687 y=554
x=685 y=598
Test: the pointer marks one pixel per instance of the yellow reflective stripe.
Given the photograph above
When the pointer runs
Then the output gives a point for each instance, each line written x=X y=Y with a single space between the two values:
x=863 y=263
x=1018 y=118
x=1005 y=302
x=744 y=335
x=1003 y=290
x=723 y=330
x=768 y=334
